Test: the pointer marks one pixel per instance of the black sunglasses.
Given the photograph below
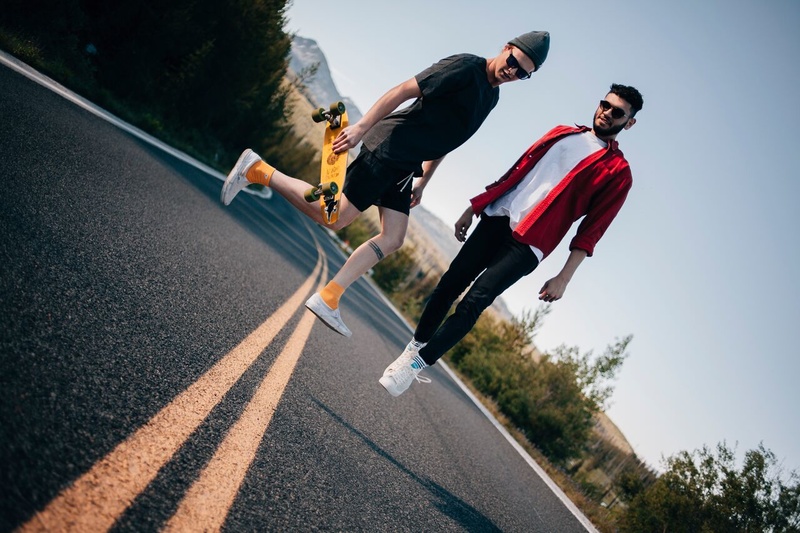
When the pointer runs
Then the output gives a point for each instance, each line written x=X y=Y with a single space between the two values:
x=616 y=112
x=513 y=63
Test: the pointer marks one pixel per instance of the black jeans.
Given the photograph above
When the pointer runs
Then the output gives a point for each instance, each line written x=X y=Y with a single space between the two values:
x=497 y=260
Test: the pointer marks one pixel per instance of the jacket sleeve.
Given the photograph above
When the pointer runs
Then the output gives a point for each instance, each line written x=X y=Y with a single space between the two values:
x=602 y=211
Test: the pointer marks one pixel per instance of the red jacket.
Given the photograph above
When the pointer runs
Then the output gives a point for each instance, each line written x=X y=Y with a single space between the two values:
x=596 y=188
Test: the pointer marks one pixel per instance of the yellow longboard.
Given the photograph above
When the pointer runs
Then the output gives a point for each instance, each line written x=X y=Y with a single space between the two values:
x=334 y=166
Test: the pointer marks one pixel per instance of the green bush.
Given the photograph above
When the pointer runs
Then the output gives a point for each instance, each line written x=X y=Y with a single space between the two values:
x=553 y=400
x=394 y=271
x=705 y=491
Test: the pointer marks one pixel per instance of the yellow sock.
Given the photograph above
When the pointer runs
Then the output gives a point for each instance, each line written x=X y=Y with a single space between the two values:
x=331 y=294
x=261 y=173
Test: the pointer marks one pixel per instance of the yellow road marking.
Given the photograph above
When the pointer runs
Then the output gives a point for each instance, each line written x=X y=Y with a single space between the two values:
x=208 y=501
x=96 y=500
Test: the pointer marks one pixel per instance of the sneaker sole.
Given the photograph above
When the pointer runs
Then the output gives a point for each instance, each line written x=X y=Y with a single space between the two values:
x=333 y=328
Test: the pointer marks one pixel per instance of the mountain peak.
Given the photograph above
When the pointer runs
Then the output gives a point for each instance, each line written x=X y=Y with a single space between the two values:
x=320 y=89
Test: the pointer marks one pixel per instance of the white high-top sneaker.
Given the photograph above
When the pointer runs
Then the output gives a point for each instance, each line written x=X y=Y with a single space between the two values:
x=399 y=375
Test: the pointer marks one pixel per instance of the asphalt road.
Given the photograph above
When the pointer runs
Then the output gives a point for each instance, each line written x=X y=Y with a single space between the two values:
x=155 y=353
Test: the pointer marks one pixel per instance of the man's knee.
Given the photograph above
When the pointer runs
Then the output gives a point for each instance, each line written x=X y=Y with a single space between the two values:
x=474 y=303
x=347 y=214
x=453 y=282
x=340 y=224
x=392 y=244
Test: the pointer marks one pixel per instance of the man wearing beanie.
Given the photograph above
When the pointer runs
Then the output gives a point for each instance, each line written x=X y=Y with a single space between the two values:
x=572 y=172
x=452 y=98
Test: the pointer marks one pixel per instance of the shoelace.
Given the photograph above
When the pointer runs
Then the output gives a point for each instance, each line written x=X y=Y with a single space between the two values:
x=402 y=374
x=422 y=379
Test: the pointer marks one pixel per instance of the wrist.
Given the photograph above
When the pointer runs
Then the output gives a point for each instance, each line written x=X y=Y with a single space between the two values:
x=564 y=276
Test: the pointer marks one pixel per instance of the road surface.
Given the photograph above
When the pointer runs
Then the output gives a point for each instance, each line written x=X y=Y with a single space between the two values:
x=159 y=370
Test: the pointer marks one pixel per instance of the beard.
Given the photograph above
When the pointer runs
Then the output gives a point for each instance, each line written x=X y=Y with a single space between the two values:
x=607 y=132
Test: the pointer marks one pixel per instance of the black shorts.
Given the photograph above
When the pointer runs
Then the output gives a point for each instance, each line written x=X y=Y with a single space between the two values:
x=371 y=181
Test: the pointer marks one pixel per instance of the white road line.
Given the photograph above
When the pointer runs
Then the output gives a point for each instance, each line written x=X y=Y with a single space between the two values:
x=27 y=71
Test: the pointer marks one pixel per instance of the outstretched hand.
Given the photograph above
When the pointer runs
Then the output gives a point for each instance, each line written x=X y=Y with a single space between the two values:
x=553 y=289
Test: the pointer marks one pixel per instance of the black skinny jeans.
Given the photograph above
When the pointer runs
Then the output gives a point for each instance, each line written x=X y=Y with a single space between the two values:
x=497 y=260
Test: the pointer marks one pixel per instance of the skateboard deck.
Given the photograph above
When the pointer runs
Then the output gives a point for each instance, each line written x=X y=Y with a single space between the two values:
x=334 y=166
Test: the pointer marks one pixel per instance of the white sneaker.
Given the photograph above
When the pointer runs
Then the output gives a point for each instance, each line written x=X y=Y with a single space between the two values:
x=401 y=373
x=331 y=317
x=237 y=177
x=411 y=351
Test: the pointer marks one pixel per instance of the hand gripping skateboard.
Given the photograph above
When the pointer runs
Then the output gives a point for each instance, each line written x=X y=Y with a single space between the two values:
x=334 y=166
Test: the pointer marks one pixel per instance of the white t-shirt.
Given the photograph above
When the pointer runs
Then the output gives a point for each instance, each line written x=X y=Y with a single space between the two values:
x=546 y=174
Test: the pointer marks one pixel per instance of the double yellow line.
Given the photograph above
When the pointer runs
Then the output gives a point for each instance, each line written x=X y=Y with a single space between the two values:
x=96 y=500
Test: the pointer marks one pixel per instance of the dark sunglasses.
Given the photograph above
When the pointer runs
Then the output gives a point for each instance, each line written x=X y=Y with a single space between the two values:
x=513 y=63
x=616 y=112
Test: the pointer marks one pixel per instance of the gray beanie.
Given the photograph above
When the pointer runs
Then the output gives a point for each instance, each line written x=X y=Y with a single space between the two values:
x=535 y=44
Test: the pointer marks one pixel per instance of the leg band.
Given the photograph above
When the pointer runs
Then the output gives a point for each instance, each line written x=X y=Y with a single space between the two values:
x=377 y=250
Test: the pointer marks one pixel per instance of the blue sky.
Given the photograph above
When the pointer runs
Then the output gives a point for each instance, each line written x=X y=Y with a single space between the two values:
x=700 y=264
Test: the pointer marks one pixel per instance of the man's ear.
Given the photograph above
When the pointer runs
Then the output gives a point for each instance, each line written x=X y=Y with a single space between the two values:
x=630 y=123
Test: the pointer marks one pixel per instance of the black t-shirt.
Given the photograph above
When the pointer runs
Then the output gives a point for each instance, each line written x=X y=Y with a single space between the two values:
x=456 y=99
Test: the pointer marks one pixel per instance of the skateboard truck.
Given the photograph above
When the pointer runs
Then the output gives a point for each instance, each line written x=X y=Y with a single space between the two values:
x=333 y=115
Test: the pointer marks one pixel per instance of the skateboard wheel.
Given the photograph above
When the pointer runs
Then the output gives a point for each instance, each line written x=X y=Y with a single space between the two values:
x=337 y=108
x=329 y=188
x=318 y=115
x=311 y=195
